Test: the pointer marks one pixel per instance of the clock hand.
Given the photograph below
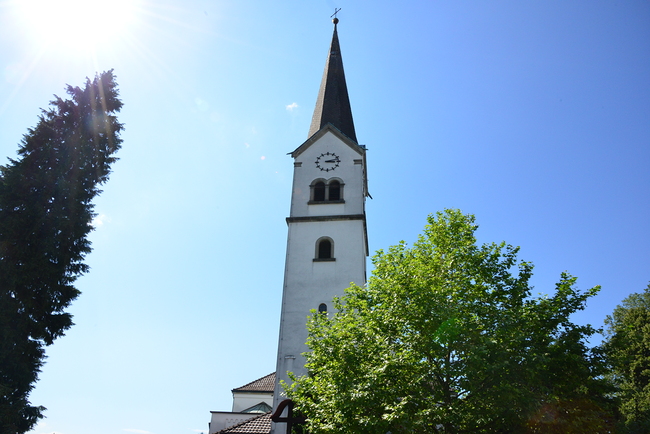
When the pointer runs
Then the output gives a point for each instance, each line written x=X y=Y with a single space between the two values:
x=332 y=161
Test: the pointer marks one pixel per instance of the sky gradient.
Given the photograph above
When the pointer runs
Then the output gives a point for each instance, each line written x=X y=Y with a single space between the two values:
x=534 y=116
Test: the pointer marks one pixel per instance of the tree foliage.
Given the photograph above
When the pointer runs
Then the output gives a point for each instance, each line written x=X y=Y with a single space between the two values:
x=45 y=216
x=446 y=337
x=627 y=347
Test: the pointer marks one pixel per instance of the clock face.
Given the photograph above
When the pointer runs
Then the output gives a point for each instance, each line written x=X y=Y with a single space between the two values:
x=327 y=161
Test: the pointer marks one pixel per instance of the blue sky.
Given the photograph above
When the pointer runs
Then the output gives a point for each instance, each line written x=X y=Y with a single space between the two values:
x=534 y=116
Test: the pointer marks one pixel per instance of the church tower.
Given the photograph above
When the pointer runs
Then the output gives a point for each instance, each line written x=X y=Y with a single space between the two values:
x=327 y=243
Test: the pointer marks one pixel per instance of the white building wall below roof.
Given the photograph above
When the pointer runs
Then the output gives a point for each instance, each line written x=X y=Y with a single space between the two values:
x=243 y=400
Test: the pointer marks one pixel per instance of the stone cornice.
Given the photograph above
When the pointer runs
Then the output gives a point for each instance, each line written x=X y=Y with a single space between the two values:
x=326 y=218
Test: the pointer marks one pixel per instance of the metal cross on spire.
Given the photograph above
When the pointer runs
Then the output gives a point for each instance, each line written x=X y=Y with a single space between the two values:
x=336 y=11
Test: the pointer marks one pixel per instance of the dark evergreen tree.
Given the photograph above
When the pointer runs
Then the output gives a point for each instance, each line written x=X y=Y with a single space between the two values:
x=45 y=216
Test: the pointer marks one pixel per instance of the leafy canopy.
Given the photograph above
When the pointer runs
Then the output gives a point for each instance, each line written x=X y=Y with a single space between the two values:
x=627 y=347
x=45 y=216
x=446 y=337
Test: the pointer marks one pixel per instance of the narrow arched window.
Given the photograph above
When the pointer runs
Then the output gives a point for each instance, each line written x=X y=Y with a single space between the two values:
x=322 y=308
x=324 y=249
x=319 y=191
x=334 y=190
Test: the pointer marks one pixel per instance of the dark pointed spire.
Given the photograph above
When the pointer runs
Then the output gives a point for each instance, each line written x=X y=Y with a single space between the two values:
x=333 y=103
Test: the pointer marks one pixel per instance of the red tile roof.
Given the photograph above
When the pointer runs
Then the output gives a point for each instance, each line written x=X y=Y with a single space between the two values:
x=258 y=425
x=264 y=384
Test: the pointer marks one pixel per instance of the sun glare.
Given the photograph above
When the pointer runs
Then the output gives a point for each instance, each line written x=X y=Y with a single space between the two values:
x=76 y=24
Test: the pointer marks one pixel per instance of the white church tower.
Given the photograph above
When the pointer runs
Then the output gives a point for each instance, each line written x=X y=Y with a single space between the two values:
x=327 y=243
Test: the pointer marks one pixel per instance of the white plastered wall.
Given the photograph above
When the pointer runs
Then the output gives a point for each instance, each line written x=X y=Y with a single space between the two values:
x=309 y=283
x=243 y=400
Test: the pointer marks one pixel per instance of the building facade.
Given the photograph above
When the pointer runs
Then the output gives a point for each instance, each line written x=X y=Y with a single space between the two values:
x=251 y=406
x=327 y=243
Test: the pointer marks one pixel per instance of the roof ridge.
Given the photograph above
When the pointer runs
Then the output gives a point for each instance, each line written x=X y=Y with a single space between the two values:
x=261 y=384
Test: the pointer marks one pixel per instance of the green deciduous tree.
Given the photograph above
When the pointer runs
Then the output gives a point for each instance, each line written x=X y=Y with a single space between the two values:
x=45 y=216
x=446 y=337
x=627 y=347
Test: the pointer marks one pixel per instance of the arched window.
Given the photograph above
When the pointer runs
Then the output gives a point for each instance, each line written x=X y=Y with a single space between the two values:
x=319 y=192
x=322 y=308
x=334 y=190
x=323 y=191
x=324 y=250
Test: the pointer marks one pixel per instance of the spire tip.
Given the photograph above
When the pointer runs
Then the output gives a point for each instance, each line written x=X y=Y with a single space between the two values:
x=335 y=20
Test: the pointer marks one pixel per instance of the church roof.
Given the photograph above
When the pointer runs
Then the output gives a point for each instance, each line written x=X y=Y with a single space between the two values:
x=257 y=425
x=264 y=384
x=333 y=103
x=320 y=133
